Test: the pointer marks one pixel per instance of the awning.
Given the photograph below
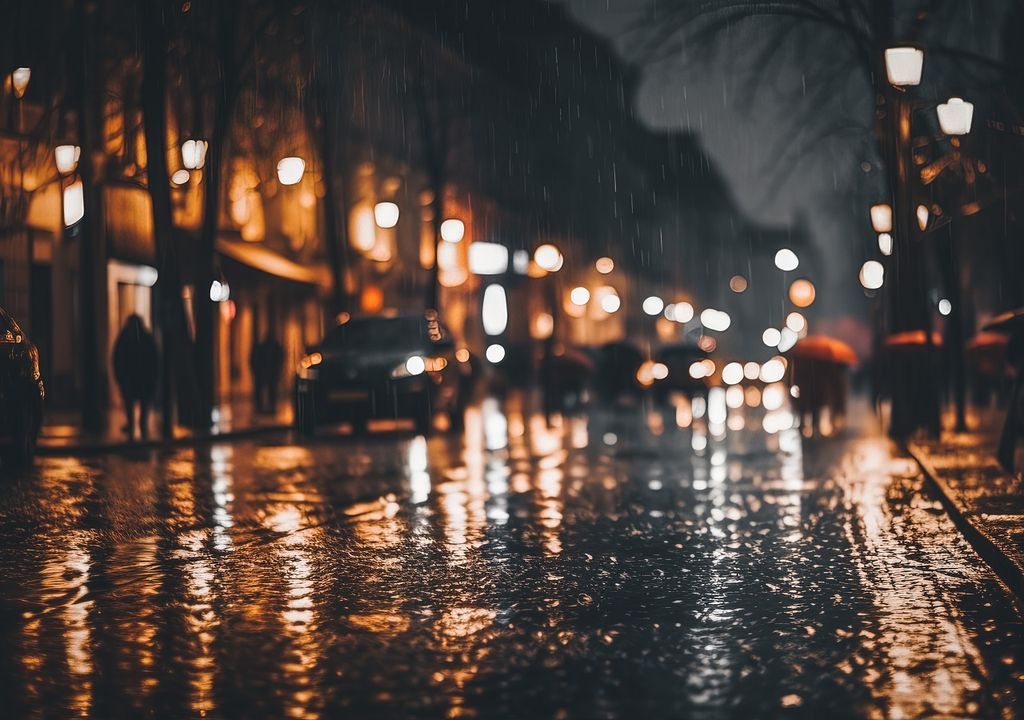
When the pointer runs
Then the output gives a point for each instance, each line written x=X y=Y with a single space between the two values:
x=261 y=258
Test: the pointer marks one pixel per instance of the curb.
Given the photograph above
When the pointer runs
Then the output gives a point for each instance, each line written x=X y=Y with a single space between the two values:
x=93 y=448
x=1004 y=566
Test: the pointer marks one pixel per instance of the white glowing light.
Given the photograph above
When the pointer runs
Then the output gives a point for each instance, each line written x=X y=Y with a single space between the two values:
x=885 y=244
x=955 y=116
x=487 y=258
x=872 y=275
x=521 y=262
x=786 y=260
x=494 y=311
x=415 y=365
x=796 y=322
x=193 y=154
x=180 y=177
x=682 y=312
x=945 y=307
x=771 y=337
x=66 y=158
x=787 y=339
x=290 y=170
x=922 y=216
x=610 y=302
x=653 y=305
x=74 y=203
x=579 y=296
x=881 y=218
x=698 y=371
x=385 y=214
x=495 y=353
x=220 y=291
x=453 y=230
x=604 y=265
x=903 y=66
x=659 y=371
x=716 y=320
x=732 y=373
x=19 y=80
x=751 y=370
x=548 y=257
x=772 y=371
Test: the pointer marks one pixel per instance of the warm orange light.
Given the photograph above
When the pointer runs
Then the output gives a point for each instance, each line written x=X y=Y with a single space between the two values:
x=802 y=293
x=738 y=284
x=372 y=299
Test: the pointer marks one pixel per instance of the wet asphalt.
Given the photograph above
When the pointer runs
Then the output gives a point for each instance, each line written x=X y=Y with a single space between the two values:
x=593 y=569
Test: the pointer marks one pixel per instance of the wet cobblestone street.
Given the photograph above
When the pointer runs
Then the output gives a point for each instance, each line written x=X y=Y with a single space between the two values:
x=590 y=570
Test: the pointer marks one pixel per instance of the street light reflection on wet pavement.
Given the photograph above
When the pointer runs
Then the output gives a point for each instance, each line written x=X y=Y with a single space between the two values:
x=610 y=565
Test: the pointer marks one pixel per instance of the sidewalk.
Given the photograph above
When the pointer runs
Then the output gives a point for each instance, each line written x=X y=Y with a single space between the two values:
x=986 y=502
x=62 y=434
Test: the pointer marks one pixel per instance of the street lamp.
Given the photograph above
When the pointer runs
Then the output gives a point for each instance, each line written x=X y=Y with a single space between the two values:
x=955 y=116
x=881 y=217
x=66 y=158
x=19 y=80
x=193 y=154
x=290 y=170
x=903 y=66
x=385 y=214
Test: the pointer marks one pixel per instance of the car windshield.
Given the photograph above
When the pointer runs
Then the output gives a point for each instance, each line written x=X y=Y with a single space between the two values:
x=379 y=333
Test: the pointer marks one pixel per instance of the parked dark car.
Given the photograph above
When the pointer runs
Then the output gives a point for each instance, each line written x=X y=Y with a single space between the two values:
x=379 y=367
x=677 y=360
x=21 y=394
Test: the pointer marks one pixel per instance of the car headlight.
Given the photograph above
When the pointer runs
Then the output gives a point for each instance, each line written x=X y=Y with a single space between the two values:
x=417 y=365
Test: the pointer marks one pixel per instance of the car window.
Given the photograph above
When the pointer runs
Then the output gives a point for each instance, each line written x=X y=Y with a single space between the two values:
x=399 y=332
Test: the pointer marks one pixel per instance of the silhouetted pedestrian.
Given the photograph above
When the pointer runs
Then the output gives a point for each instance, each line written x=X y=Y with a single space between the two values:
x=135 y=369
x=266 y=361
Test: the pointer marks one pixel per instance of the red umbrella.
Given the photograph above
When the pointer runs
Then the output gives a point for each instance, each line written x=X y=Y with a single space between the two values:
x=823 y=347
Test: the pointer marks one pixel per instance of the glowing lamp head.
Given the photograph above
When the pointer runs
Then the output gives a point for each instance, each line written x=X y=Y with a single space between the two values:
x=453 y=230
x=385 y=214
x=290 y=170
x=881 y=218
x=193 y=154
x=955 y=116
x=903 y=66
x=66 y=158
x=19 y=81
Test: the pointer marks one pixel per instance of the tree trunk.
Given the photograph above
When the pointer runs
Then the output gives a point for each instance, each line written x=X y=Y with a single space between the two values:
x=203 y=308
x=176 y=346
x=92 y=249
